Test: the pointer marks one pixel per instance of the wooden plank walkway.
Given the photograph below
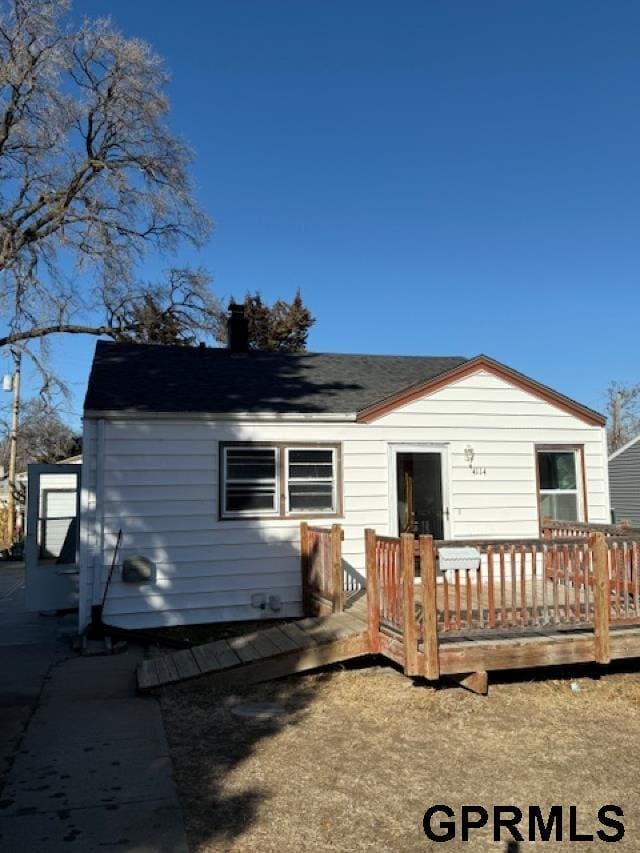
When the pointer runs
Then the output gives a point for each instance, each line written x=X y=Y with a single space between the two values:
x=269 y=652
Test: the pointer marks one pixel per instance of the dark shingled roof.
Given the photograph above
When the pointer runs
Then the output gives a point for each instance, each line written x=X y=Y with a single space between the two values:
x=151 y=378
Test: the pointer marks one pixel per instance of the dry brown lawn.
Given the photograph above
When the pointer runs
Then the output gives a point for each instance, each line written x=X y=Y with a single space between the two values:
x=359 y=755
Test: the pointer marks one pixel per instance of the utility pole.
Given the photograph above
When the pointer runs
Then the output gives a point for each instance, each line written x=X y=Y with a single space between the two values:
x=13 y=448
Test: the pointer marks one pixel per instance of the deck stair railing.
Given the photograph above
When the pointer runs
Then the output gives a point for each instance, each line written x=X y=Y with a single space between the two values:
x=519 y=588
x=327 y=584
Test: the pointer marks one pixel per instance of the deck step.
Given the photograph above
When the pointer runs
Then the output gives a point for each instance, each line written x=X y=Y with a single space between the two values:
x=270 y=652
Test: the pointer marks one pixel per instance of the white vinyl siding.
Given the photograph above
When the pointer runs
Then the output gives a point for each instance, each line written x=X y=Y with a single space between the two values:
x=158 y=481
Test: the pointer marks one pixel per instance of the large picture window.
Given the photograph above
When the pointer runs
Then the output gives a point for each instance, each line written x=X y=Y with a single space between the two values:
x=560 y=487
x=279 y=480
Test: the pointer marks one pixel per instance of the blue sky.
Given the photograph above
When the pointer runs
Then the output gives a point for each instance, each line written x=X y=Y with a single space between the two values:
x=437 y=177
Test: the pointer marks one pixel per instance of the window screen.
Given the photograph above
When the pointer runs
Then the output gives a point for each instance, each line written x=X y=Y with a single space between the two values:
x=279 y=480
x=311 y=480
x=251 y=480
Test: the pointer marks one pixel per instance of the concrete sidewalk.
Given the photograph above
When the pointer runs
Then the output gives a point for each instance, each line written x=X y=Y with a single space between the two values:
x=87 y=761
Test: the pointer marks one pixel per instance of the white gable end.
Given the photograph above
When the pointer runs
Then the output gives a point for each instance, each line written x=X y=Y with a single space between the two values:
x=482 y=395
x=502 y=423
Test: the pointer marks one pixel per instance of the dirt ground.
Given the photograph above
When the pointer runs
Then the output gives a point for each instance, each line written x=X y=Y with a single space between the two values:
x=358 y=755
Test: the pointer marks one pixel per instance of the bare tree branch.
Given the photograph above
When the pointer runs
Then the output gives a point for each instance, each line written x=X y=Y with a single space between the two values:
x=90 y=176
x=44 y=437
x=623 y=414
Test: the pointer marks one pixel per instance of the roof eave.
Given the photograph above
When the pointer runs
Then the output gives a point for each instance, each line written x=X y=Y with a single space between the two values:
x=624 y=447
x=129 y=414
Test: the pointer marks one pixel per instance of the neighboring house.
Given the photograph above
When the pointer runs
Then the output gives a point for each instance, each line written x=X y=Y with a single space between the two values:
x=624 y=482
x=53 y=493
x=208 y=459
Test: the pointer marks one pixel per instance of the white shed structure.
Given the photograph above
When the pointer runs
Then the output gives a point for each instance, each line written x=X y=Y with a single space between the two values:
x=51 y=541
x=208 y=459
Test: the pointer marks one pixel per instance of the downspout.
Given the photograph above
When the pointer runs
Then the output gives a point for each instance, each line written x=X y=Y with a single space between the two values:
x=84 y=551
x=607 y=493
x=98 y=559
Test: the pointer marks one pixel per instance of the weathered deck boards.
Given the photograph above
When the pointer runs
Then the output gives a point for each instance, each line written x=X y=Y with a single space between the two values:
x=530 y=651
x=269 y=652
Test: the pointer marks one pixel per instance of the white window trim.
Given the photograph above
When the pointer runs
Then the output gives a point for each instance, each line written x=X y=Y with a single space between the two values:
x=580 y=486
x=252 y=513
x=333 y=480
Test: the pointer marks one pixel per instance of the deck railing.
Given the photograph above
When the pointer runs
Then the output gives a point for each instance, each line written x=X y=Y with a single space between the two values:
x=552 y=529
x=518 y=588
x=525 y=584
x=391 y=597
x=327 y=582
x=623 y=564
x=390 y=582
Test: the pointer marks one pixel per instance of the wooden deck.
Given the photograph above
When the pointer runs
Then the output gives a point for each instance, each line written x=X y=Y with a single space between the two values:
x=532 y=651
x=523 y=604
x=270 y=652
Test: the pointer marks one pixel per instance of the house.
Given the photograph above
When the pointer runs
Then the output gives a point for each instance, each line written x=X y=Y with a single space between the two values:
x=57 y=486
x=624 y=482
x=207 y=460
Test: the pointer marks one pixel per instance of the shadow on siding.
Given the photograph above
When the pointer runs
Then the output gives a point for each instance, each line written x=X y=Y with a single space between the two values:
x=203 y=573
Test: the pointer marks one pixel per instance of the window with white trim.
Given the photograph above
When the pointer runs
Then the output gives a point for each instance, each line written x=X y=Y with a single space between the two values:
x=311 y=480
x=251 y=481
x=559 y=484
x=279 y=480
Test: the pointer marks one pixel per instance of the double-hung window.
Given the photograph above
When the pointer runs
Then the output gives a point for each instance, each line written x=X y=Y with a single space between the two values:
x=311 y=480
x=560 y=483
x=279 y=480
x=251 y=481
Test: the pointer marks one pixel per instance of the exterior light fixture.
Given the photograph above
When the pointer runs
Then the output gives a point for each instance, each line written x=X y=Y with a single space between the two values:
x=469 y=455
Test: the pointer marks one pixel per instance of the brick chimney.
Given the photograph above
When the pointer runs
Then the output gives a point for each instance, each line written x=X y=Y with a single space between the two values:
x=237 y=329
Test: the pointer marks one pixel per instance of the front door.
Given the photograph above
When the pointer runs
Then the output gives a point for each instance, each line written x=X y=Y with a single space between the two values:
x=421 y=505
x=51 y=546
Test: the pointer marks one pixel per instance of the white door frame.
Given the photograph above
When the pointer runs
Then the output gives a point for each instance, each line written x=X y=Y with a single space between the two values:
x=419 y=447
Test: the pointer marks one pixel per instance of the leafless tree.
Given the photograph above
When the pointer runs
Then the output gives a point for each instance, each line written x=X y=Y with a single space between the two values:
x=623 y=414
x=44 y=436
x=90 y=178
